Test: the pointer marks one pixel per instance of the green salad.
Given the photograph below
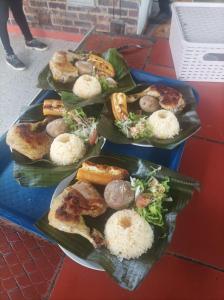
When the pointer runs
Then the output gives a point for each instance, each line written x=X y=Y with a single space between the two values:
x=150 y=196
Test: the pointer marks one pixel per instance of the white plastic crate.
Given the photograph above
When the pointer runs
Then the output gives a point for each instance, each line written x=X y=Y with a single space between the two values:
x=197 y=41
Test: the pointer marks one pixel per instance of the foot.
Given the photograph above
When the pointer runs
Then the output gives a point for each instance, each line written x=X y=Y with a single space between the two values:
x=160 y=18
x=37 y=45
x=13 y=61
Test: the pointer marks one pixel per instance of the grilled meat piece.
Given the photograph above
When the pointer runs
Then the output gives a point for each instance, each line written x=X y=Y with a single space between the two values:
x=62 y=68
x=67 y=210
x=63 y=221
x=29 y=139
x=87 y=200
x=169 y=98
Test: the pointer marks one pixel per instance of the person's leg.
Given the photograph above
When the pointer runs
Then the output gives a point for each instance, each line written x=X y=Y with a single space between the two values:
x=16 y=7
x=164 y=13
x=164 y=6
x=11 y=58
x=4 y=15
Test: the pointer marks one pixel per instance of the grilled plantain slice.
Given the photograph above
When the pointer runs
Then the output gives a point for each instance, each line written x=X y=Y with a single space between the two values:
x=119 y=106
x=103 y=67
x=53 y=107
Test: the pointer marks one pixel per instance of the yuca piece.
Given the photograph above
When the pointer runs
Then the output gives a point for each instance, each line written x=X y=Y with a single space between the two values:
x=29 y=139
x=52 y=107
x=100 y=174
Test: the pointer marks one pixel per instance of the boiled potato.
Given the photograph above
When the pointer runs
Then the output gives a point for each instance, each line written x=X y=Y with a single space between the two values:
x=149 y=104
x=118 y=194
x=84 y=67
x=56 y=127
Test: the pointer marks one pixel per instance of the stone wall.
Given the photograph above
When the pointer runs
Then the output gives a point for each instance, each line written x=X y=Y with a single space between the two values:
x=107 y=15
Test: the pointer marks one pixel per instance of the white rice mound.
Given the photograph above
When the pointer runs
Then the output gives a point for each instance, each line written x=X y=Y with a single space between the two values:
x=87 y=86
x=164 y=124
x=127 y=234
x=67 y=149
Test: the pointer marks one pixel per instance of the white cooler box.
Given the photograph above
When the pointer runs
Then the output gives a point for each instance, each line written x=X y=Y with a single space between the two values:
x=197 y=41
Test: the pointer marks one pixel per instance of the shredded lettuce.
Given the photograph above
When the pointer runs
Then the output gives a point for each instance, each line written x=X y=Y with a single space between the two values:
x=135 y=126
x=79 y=124
x=153 y=213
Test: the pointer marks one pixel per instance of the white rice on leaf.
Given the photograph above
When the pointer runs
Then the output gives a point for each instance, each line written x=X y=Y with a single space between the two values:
x=67 y=149
x=127 y=234
x=87 y=86
x=164 y=124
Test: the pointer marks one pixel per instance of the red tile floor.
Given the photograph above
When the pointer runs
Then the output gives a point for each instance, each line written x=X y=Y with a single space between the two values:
x=193 y=267
x=28 y=265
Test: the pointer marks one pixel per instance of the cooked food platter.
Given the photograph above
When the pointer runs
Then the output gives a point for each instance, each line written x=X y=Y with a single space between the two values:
x=108 y=212
x=150 y=115
x=49 y=142
x=142 y=218
x=86 y=76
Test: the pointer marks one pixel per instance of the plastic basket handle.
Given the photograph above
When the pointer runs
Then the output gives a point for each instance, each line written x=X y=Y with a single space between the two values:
x=215 y=57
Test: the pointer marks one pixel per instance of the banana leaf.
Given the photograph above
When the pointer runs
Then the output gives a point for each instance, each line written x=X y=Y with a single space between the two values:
x=123 y=77
x=188 y=119
x=128 y=273
x=43 y=173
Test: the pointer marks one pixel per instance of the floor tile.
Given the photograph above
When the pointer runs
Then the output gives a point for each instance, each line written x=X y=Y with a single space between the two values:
x=25 y=270
x=161 y=54
x=200 y=227
x=5 y=248
x=16 y=294
x=11 y=259
x=170 y=279
x=17 y=269
x=4 y=296
x=36 y=277
x=30 y=293
x=4 y=272
x=211 y=109
x=160 y=70
x=23 y=280
x=29 y=266
x=9 y=284
x=42 y=288
x=23 y=255
x=136 y=58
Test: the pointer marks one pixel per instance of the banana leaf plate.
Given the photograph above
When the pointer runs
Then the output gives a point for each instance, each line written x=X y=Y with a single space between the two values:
x=122 y=77
x=127 y=273
x=43 y=173
x=188 y=118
